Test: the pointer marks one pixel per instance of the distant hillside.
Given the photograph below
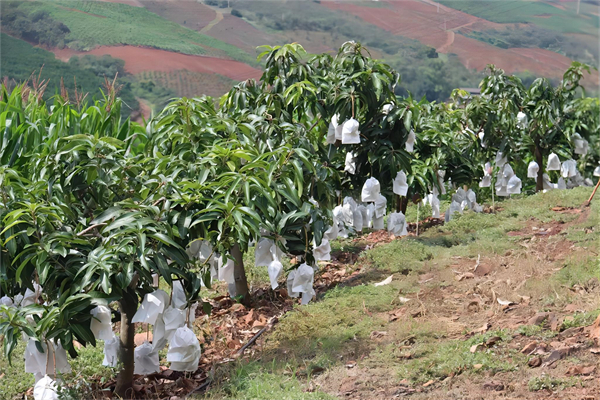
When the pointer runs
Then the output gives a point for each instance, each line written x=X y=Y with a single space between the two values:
x=436 y=46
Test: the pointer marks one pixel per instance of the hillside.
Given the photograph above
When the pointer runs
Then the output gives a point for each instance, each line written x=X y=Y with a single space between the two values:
x=177 y=46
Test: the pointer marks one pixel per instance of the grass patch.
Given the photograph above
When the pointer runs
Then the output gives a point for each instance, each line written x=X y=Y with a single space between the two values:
x=254 y=380
x=551 y=383
x=436 y=360
x=399 y=256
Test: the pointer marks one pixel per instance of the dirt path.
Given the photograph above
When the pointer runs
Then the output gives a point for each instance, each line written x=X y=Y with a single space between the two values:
x=212 y=23
x=449 y=42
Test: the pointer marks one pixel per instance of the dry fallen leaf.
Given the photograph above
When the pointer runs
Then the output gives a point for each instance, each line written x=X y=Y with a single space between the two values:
x=579 y=370
x=378 y=334
x=529 y=347
x=386 y=281
x=403 y=299
x=478 y=366
x=476 y=347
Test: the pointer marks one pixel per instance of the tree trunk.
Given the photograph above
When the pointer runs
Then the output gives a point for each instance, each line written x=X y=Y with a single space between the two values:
x=398 y=203
x=128 y=307
x=239 y=275
x=539 y=159
x=404 y=204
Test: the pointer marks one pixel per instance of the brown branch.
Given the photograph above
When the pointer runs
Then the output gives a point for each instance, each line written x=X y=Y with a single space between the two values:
x=86 y=230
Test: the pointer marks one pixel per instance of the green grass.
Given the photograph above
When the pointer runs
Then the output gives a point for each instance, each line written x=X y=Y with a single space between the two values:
x=87 y=366
x=254 y=380
x=437 y=360
x=94 y=23
x=551 y=383
x=521 y=11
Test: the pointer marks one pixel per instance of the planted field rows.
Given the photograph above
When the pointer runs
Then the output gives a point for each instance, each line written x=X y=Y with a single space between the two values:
x=190 y=84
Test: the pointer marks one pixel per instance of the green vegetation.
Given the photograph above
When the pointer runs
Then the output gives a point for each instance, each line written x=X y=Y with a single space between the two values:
x=532 y=36
x=95 y=23
x=36 y=27
x=536 y=12
x=20 y=60
x=551 y=383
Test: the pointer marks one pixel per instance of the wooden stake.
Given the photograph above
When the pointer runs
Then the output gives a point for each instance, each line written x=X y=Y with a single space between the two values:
x=587 y=203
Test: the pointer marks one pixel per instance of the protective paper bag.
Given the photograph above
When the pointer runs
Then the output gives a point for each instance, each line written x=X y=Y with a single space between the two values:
x=178 y=299
x=378 y=223
x=350 y=132
x=101 y=325
x=333 y=125
x=386 y=108
x=262 y=253
x=303 y=279
x=350 y=164
x=31 y=297
x=397 y=224
x=274 y=269
x=568 y=169
x=500 y=159
x=454 y=208
x=521 y=119
x=145 y=359
x=45 y=389
x=332 y=232
x=152 y=306
x=581 y=145
x=370 y=190
x=226 y=271
x=184 y=350
x=597 y=171
x=547 y=185
x=323 y=251
x=553 y=163
x=380 y=206
x=486 y=181
x=357 y=220
x=111 y=351
x=410 y=141
x=290 y=284
x=561 y=184
x=532 y=169
x=6 y=301
x=400 y=185
x=514 y=185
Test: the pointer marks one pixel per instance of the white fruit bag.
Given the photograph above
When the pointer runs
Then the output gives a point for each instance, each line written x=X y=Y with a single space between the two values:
x=303 y=279
x=322 y=252
x=31 y=297
x=553 y=163
x=307 y=296
x=386 y=108
x=333 y=125
x=378 y=223
x=454 y=208
x=350 y=164
x=568 y=169
x=486 y=181
x=332 y=232
x=561 y=184
x=370 y=190
x=357 y=220
x=521 y=119
x=380 y=206
x=152 y=306
x=274 y=269
x=350 y=132
x=547 y=185
x=500 y=159
x=409 y=145
x=514 y=185
x=184 y=350
x=145 y=359
x=45 y=389
x=597 y=171
x=35 y=361
x=532 y=169
x=397 y=224
x=581 y=145
x=263 y=255
x=435 y=204
x=6 y=301
x=290 y=284
x=111 y=351
x=370 y=214
x=399 y=184
x=226 y=271
x=441 y=174
x=173 y=319
x=178 y=299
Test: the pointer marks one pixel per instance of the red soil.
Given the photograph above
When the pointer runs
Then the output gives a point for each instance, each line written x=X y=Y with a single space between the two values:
x=421 y=20
x=139 y=59
x=134 y=3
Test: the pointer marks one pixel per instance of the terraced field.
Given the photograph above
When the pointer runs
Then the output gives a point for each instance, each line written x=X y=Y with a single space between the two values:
x=188 y=83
